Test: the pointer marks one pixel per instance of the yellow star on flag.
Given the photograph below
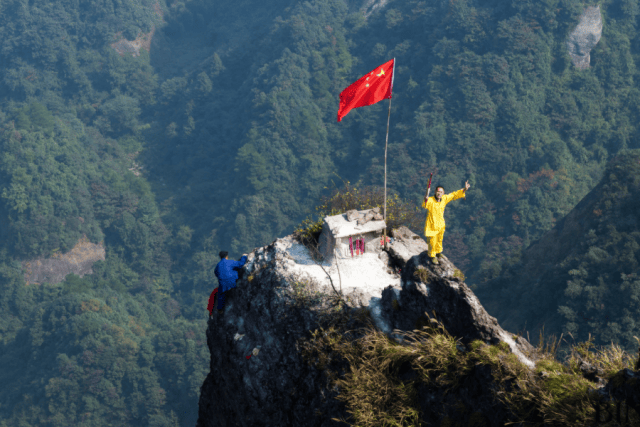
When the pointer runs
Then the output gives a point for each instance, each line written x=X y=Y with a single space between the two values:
x=367 y=90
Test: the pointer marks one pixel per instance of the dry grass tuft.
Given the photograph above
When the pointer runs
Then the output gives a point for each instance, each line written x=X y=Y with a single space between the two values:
x=554 y=393
x=422 y=274
x=459 y=274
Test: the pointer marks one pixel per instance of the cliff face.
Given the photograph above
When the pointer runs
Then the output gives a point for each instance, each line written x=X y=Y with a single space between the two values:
x=258 y=376
x=585 y=37
x=79 y=260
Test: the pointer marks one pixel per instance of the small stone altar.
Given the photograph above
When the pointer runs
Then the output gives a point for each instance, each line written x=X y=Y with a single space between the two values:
x=365 y=228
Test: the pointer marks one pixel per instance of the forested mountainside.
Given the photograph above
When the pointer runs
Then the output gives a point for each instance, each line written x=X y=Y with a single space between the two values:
x=586 y=266
x=484 y=91
x=170 y=131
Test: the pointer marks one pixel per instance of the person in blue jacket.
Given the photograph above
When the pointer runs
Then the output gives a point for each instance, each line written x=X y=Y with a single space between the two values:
x=227 y=273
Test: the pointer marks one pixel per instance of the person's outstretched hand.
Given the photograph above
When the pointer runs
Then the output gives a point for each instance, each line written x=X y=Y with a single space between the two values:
x=466 y=185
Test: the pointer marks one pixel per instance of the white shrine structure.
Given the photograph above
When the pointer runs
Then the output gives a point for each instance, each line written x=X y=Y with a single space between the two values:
x=342 y=234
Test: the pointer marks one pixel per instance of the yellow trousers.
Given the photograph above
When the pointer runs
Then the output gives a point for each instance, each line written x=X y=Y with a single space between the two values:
x=435 y=243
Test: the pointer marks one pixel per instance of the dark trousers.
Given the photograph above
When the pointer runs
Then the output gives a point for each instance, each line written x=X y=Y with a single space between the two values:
x=221 y=299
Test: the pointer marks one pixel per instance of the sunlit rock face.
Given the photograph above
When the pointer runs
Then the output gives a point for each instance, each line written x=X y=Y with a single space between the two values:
x=79 y=260
x=258 y=376
x=585 y=37
x=366 y=7
x=454 y=304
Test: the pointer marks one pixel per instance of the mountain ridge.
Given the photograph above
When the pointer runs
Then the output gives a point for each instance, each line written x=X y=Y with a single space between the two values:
x=582 y=263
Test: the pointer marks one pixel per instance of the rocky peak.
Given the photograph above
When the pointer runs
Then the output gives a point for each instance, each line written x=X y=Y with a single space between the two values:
x=258 y=376
x=438 y=288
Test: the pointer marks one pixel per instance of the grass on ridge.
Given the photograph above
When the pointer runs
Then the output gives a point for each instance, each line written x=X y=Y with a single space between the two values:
x=555 y=393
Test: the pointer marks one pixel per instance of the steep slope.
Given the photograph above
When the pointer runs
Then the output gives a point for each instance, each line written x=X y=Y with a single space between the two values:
x=233 y=109
x=259 y=375
x=582 y=275
x=484 y=91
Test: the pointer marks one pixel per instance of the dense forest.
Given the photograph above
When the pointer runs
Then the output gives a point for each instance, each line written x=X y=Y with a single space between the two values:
x=587 y=266
x=171 y=131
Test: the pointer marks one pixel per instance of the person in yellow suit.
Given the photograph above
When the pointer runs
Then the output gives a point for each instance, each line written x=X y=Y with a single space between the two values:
x=434 y=226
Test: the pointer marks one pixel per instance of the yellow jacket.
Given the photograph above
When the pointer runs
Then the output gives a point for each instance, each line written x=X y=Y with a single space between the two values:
x=435 y=218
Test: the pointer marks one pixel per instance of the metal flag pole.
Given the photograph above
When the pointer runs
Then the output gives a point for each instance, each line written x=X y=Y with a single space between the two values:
x=384 y=236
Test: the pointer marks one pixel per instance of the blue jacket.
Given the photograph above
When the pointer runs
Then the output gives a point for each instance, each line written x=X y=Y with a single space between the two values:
x=226 y=273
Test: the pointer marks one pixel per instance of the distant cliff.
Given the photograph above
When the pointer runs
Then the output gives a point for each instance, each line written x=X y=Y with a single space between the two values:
x=581 y=277
x=78 y=260
x=585 y=37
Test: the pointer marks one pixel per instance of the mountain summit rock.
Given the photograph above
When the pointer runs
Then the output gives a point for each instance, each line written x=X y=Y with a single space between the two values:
x=258 y=376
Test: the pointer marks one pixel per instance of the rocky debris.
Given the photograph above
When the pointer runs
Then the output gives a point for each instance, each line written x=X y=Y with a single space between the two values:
x=352 y=215
x=405 y=245
x=79 y=260
x=585 y=37
x=362 y=217
x=276 y=387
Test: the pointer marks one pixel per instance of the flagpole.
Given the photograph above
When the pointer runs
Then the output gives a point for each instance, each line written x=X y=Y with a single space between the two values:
x=384 y=236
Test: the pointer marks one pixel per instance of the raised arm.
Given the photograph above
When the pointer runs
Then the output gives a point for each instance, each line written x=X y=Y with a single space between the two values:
x=238 y=264
x=460 y=194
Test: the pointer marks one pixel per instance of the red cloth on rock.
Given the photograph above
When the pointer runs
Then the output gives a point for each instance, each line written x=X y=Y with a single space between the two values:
x=212 y=298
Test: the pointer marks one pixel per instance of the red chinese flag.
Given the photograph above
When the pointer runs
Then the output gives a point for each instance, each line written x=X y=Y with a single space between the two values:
x=368 y=89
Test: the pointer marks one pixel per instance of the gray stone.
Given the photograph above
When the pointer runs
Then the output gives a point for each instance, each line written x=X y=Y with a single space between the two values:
x=366 y=218
x=79 y=260
x=406 y=244
x=589 y=371
x=384 y=257
x=585 y=37
x=277 y=388
x=353 y=215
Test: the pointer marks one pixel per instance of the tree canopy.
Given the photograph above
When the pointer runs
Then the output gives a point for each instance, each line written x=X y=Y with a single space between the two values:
x=171 y=131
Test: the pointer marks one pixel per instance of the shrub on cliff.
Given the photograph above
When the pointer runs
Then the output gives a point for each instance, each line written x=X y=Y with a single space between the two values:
x=399 y=211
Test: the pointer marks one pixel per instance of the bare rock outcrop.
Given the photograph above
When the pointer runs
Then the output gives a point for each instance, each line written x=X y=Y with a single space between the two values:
x=258 y=376
x=367 y=7
x=585 y=37
x=79 y=260
x=428 y=287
